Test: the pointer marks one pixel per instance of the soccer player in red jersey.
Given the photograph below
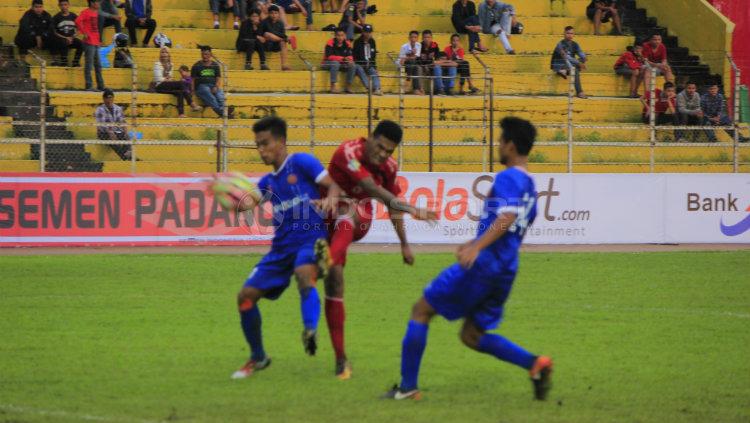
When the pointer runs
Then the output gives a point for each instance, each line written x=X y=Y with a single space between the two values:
x=365 y=170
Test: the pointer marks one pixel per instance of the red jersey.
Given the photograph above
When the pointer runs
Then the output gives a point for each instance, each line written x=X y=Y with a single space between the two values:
x=630 y=60
x=458 y=54
x=661 y=104
x=655 y=56
x=88 y=25
x=349 y=166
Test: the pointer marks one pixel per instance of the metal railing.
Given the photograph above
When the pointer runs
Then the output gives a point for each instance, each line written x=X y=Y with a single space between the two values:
x=428 y=122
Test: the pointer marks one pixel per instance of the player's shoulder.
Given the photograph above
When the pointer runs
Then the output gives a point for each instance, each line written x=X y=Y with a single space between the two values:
x=514 y=177
x=390 y=166
x=350 y=149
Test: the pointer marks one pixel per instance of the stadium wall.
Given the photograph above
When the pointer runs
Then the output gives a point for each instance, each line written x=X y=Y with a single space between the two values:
x=81 y=209
x=739 y=13
x=700 y=27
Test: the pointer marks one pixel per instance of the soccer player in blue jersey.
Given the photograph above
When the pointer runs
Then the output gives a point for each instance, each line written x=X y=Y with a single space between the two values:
x=477 y=287
x=299 y=244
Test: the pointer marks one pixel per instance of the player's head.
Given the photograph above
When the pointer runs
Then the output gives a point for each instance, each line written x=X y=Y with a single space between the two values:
x=270 y=138
x=516 y=139
x=340 y=35
x=712 y=88
x=669 y=88
x=691 y=88
x=570 y=32
x=383 y=142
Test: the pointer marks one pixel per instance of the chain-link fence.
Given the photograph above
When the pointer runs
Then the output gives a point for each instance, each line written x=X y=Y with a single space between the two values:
x=62 y=131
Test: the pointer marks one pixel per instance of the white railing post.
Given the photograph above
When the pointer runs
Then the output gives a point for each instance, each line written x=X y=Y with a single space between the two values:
x=652 y=118
x=571 y=93
x=736 y=117
x=133 y=115
x=42 y=110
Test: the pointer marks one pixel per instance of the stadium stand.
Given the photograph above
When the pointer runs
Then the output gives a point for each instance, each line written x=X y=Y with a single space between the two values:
x=522 y=85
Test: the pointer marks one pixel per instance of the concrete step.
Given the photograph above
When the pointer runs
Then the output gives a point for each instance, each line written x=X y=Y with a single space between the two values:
x=331 y=106
x=525 y=7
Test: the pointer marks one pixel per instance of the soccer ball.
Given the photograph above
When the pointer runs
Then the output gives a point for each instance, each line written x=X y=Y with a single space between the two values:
x=233 y=190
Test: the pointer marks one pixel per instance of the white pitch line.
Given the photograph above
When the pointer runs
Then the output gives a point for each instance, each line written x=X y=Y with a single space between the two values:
x=68 y=415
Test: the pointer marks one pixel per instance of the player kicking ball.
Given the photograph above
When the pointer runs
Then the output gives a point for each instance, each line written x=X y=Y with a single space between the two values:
x=365 y=170
x=299 y=244
x=477 y=287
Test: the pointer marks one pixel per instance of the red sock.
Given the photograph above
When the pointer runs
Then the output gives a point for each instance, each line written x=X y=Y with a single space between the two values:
x=335 y=319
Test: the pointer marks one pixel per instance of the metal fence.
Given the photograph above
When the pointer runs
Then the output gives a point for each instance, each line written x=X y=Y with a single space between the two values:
x=433 y=144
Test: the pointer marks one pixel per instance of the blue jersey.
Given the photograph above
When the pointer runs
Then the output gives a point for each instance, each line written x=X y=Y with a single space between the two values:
x=512 y=192
x=291 y=190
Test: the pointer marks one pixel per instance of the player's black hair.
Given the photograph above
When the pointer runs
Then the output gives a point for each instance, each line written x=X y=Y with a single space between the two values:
x=273 y=124
x=107 y=93
x=426 y=32
x=668 y=85
x=455 y=36
x=389 y=129
x=339 y=29
x=412 y=32
x=568 y=28
x=520 y=132
x=690 y=83
x=654 y=35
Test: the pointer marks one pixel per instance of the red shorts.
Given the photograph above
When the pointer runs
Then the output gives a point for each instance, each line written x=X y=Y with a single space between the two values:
x=352 y=224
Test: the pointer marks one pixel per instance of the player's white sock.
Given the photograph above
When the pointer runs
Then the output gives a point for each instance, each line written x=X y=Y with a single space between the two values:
x=504 y=39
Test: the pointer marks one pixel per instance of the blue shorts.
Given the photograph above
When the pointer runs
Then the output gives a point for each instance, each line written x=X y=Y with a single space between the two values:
x=469 y=293
x=274 y=271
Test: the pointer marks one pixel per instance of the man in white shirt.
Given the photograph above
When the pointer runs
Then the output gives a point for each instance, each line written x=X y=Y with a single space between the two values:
x=408 y=58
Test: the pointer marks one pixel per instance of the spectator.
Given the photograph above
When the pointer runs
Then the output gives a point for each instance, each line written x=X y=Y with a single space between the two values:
x=689 y=109
x=631 y=64
x=206 y=74
x=275 y=35
x=353 y=19
x=338 y=57
x=88 y=25
x=109 y=16
x=665 y=106
x=714 y=108
x=601 y=11
x=64 y=35
x=250 y=40
x=187 y=87
x=408 y=57
x=466 y=21
x=365 y=57
x=165 y=84
x=109 y=112
x=296 y=6
x=655 y=53
x=34 y=28
x=218 y=6
x=123 y=58
x=138 y=13
x=432 y=61
x=497 y=18
x=567 y=55
x=455 y=53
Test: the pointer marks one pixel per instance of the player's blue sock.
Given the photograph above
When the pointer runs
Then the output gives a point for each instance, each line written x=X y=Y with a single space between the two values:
x=310 y=303
x=413 y=346
x=505 y=350
x=251 y=323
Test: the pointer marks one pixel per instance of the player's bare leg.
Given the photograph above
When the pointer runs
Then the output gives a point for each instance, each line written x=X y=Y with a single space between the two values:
x=412 y=350
x=307 y=276
x=539 y=367
x=335 y=316
x=247 y=303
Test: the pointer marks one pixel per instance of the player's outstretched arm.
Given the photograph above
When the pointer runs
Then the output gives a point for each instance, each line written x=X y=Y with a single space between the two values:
x=329 y=203
x=394 y=203
x=467 y=253
x=397 y=219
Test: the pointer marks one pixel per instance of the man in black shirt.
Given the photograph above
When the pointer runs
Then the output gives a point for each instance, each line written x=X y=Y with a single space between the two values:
x=466 y=21
x=601 y=11
x=275 y=35
x=365 y=54
x=207 y=83
x=34 y=28
x=338 y=57
x=353 y=18
x=64 y=36
x=250 y=40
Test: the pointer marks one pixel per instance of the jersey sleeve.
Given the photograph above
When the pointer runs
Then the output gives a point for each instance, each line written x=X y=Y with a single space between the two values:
x=507 y=197
x=347 y=162
x=263 y=187
x=310 y=166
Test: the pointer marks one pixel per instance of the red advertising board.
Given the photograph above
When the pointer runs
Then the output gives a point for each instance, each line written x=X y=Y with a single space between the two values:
x=85 y=209
x=738 y=12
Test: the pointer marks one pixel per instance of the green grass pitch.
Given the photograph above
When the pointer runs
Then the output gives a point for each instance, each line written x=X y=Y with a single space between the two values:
x=657 y=337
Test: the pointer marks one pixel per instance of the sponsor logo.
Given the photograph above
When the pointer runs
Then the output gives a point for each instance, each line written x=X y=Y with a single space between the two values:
x=698 y=203
x=291 y=179
x=354 y=165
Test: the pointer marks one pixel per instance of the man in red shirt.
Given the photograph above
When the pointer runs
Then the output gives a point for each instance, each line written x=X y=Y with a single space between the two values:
x=656 y=56
x=665 y=105
x=88 y=25
x=631 y=64
x=455 y=53
x=365 y=170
